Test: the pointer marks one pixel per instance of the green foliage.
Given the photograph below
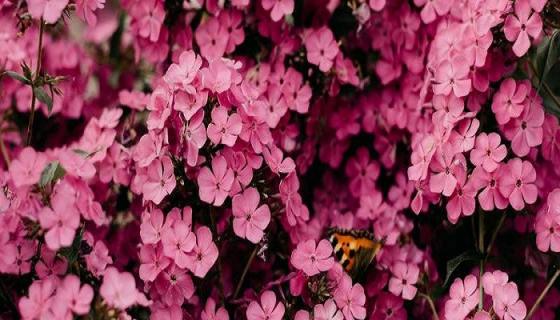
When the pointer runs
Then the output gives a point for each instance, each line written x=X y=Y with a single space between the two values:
x=457 y=261
x=16 y=76
x=545 y=69
x=44 y=97
x=52 y=172
x=72 y=253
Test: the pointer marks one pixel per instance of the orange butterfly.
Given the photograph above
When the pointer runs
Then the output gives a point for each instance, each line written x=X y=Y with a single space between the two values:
x=354 y=249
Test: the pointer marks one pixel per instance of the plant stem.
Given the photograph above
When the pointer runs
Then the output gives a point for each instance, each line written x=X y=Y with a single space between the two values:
x=219 y=262
x=4 y=151
x=481 y=249
x=245 y=270
x=431 y=303
x=34 y=83
x=543 y=294
x=495 y=234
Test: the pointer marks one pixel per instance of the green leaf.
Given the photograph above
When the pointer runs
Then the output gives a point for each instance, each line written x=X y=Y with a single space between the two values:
x=544 y=61
x=16 y=76
x=42 y=95
x=454 y=263
x=52 y=172
x=71 y=253
x=81 y=152
x=546 y=55
x=26 y=71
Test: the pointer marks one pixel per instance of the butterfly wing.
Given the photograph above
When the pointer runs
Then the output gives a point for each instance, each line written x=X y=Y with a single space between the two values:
x=364 y=257
x=354 y=250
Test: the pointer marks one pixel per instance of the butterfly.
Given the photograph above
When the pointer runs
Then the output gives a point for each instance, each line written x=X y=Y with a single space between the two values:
x=354 y=249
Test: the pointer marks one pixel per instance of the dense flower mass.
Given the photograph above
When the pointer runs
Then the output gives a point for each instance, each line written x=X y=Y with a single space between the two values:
x=279 y=159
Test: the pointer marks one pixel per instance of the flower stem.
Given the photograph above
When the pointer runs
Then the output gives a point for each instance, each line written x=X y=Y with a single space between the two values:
x=4 y=151
x=543 y=294
x=219 y=262
x=495 y=233
x=245 y=270
x=432 y=305
x=34 y=82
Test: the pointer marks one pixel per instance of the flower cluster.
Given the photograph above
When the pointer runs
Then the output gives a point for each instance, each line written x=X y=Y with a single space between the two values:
x=279 y=159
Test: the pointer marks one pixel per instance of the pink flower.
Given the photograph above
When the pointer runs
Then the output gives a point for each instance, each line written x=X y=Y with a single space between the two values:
x=449 y=110
x=49 y=10
x=219 y=76
x=60 y=222
x=214 y=186
x=350 y=299
x=445 y=163
x=276 y=161
x=150 y=147
x=488 y=151
x=377 y=5
x=388 y=307
x=195 y=137
x=86 y=8
x=295 y=92
x=249 y=221
x=517 y=183
x=175 y=285
x=463 y=200
x=223 y=128
x=268 y=309
x=520 y=26
x=204 y=254
x=152 y=262
x=183 y=73
x=119 y=289
x=26 y=169
x=452 y=76
x=371 y=205
x=321 y=48
x=507 y=304
x=463 y=298
x=405 y=275
x=232 y=21
x=76 y=164
x=49 y=265
x=327 y=311
x=38 y=302
x=152 y=226
x=432 y=9
x=279 y=8
x=526 y=131
x=190 y=104
x=212 y=39
x=211 y=313
x=547 y=228
x=509 y=101
x=178 y=241
x=421 y=157
x=150 y=14
x=312 y=259
x=160 y=181
x=98 y=259
x=242 y=171
x=73 y=296
x=295 y=209
x=362 y=172
x=256 y=132
x=490 y=197
x=491 y=279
